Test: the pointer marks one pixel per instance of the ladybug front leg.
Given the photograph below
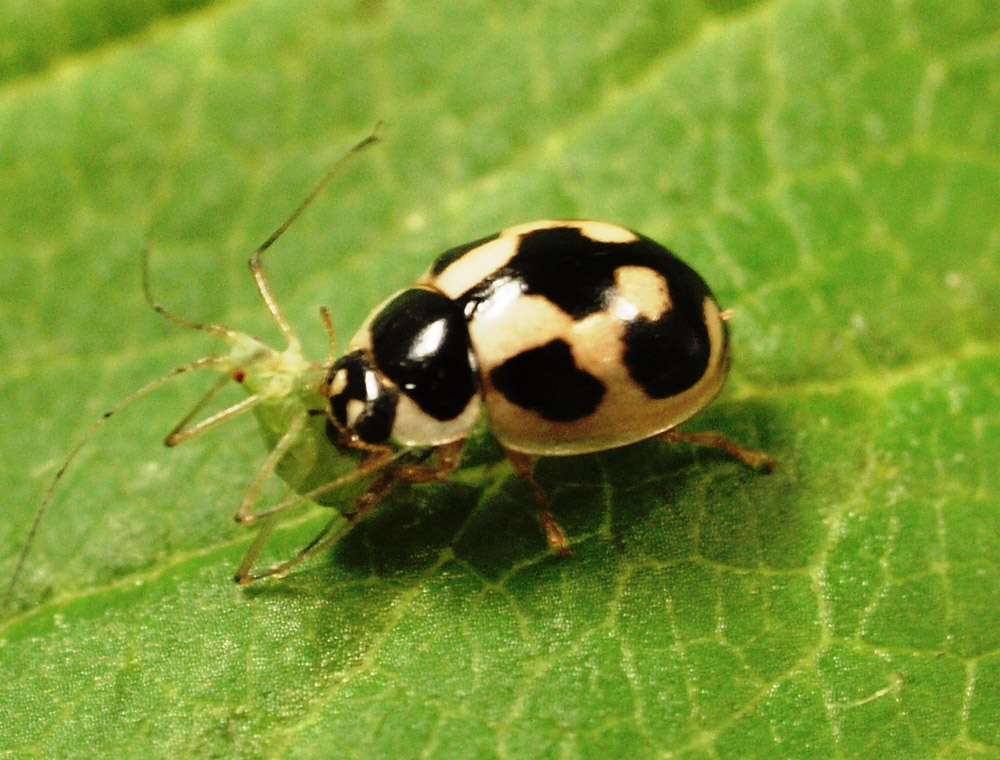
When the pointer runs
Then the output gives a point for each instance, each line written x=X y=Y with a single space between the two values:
x=446 y=459
x=554 y=535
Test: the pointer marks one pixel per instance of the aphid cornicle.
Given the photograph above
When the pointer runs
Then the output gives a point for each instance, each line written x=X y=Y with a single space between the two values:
x=569 y=336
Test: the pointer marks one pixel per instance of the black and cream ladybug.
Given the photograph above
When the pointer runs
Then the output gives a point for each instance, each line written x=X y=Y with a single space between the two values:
x=570 y=336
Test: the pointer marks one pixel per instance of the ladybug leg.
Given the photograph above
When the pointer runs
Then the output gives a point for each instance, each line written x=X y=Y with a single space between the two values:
x=758 y=460
x=446 y=459
x=554 y=535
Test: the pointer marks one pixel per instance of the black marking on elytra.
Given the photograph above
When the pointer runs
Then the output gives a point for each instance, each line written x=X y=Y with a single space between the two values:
x=375 y=423
x=666 y=356
x=452 y=255
x=547 y=380
x=420 y=341
x=577 y=273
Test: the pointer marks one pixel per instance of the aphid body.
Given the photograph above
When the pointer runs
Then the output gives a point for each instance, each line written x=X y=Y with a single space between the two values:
x=569 y=336
x=285 y=389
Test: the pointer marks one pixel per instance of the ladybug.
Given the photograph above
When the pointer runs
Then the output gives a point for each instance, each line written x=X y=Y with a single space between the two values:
x=569 y=336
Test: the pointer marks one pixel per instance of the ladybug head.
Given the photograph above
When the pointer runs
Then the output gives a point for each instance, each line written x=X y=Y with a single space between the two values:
x=362 y=402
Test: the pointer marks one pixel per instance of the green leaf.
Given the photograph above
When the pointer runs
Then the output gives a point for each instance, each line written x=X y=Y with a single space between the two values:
x=831 y=167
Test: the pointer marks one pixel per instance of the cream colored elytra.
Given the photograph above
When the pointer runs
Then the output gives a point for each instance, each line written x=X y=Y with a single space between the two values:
x=513 y=321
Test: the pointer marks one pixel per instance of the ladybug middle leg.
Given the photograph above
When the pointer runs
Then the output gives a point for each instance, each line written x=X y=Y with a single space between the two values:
x=554 y=534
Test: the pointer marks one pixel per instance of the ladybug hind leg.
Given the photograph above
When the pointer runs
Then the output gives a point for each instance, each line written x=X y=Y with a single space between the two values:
x=758 y=460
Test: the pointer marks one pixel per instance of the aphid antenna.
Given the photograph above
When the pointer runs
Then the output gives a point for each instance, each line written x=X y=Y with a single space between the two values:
x=219 y=331
x=180 y=433
x=202 y=363
x=256 y=267
x=246 y=351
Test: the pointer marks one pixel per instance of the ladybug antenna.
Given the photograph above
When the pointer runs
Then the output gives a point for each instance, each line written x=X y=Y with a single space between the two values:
x=331 y=335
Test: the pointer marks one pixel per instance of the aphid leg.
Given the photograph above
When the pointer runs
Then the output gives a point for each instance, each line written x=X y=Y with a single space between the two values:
x=446 y=456
x=377 y=460
x=219 y=331
x=255 y=260
x=245 y=515
x=204 y=362
x=181 y=432
x=324 y=538
x=758 y=460
x=243 y=575
x=554 y=535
